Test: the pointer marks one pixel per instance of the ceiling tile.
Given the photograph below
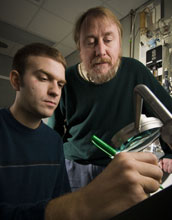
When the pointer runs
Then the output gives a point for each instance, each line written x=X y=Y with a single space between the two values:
x=69 y=10
x=19 y=35
x=18 y=12
x=36 y=2
x=15 y=48
x=65 y=50
x=115 y=10
x=6 y=51
x=11 y=49
x=49 y=21
x=123 y=6
x=69 y=41
x=50 y=26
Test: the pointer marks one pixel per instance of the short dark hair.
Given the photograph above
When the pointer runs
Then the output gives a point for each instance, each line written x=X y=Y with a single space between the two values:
x=95 y=13
x=35 y=49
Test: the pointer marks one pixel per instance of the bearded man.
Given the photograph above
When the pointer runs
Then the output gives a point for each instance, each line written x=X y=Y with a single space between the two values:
x=98 y=97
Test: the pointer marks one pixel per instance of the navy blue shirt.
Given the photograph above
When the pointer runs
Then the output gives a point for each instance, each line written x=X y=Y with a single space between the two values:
x=32 y=168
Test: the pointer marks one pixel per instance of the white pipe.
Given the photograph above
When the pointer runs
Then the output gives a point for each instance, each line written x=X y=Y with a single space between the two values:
x=4 y=77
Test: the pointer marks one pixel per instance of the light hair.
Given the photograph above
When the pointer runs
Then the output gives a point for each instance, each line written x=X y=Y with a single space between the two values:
x=96 y=12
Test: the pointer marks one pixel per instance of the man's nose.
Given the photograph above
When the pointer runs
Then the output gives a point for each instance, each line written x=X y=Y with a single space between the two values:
x=54 y=89
x=100 y=48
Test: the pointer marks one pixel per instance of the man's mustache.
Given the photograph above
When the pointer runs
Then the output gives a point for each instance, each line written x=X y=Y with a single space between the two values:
x=99 y=60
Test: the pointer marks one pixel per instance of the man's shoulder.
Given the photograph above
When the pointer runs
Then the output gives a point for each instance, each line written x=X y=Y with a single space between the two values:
x=51 y=132
x=72 y=73
x=3 y=112
x=132 y=64
x=73 y=68
x=130 y=60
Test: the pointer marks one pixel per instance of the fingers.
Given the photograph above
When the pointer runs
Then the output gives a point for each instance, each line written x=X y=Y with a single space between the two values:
x=149 y=170
x=145 y=157
x=127 y=180
x=141 y=169
x=150 y=185
x=160 y=164
x=166 y=165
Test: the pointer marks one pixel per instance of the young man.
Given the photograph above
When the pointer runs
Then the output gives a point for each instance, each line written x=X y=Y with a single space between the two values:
x=33 y=177
x=98 y=96
x=31 y=154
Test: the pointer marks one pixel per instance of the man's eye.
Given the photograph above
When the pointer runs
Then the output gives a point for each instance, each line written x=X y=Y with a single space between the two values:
x=90 y=42
x=107 y=40
x=61 y=85
x=43 y=78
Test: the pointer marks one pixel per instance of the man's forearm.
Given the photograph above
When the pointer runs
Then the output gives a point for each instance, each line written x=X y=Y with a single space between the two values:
x=70 y=206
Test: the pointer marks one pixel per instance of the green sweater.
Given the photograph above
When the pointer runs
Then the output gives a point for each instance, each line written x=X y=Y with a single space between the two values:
x=87 y=109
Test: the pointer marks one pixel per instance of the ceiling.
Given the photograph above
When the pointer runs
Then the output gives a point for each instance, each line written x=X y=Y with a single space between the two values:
x=49 y=21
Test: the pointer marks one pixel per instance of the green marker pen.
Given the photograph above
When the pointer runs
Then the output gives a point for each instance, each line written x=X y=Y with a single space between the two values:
x=104 y=146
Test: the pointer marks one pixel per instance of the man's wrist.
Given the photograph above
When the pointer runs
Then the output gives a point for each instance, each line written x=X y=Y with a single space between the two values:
x=70 y=206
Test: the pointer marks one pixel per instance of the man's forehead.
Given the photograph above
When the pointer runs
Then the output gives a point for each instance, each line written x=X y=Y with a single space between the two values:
x=94 y=27
x=33 y=60
x=44 y=62
x=99 y=20
x=91 y=23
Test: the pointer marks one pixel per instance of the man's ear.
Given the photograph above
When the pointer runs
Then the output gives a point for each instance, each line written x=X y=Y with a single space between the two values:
x=15 y=80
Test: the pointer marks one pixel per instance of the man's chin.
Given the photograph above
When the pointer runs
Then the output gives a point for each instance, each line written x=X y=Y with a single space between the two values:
x=47 y=114
x=101 y=77
x=101 y=68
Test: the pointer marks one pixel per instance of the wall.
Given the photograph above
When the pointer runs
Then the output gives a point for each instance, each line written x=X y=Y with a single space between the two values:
x=6 y=92
x=125 y=39
x=73 y=58
x=167 y=9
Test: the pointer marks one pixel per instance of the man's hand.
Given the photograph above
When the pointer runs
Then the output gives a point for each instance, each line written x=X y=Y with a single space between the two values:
x=127 y=180
x=166 y=165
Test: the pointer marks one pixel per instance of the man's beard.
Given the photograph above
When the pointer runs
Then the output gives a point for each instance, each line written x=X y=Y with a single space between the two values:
x=97 y=78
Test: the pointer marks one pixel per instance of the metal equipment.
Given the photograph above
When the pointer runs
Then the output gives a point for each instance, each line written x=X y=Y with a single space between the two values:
x=144 y=131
